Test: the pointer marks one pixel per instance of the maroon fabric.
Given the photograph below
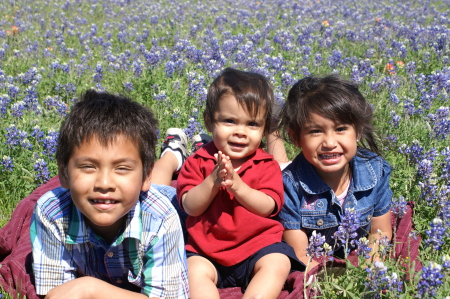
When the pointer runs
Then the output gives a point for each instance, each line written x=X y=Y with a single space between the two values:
x=15 y=246
x=15 y=252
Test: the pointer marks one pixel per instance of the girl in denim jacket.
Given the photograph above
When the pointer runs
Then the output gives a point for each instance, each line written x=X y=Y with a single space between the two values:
x=339 y=166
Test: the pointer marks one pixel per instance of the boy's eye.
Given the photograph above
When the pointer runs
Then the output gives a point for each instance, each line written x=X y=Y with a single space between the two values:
x=314 y=132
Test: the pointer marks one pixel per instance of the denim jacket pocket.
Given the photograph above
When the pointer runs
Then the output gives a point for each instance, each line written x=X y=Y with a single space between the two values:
x=365 y=218
x=318 y=220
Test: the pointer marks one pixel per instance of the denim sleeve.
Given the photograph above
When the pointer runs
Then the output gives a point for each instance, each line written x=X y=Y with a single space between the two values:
x=290 y=214
x=384 y=193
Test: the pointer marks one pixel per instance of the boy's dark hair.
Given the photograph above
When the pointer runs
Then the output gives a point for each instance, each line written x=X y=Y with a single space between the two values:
x=104 y=116
x=331 y=97
x=251 y=90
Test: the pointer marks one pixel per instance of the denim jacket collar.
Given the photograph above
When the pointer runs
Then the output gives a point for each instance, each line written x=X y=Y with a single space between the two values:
x=363 y=175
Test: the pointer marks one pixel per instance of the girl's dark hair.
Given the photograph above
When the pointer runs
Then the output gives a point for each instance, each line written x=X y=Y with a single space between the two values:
x=251 y=90
x=331 y=97
x=104 y=116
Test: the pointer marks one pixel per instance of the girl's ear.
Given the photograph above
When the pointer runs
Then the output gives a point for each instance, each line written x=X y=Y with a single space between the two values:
x=63 y=177
x=294 y=138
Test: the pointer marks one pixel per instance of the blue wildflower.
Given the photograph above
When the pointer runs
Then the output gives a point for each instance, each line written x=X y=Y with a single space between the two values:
x=347 y=229
x=430 y=280
x=436 y=234
x=399 y=206
x=42 y=174
x=315 y=245
x=7 y=164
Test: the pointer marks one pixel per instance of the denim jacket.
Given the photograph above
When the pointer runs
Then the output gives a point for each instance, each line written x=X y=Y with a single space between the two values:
x=310 y=204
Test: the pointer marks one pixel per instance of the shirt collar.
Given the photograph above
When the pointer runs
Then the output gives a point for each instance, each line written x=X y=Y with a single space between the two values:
x=208 y=151
x=79 y=232
x=363 y=175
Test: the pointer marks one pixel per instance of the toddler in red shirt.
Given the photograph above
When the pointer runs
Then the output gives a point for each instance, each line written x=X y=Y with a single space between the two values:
x=232 y=190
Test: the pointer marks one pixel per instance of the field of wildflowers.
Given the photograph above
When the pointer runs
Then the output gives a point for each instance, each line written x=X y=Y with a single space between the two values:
x=165 y=54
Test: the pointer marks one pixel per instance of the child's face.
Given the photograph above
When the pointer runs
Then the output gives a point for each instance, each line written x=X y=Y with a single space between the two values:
x=105 y=182
x=235 y=132
x=327 y=145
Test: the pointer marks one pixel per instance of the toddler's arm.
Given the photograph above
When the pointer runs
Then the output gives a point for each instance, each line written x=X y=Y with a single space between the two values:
x=253 y=200
x=197 y=200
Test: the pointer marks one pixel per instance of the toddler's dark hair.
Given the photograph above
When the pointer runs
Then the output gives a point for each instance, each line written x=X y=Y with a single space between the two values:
x=331 y=97
x=251 y=90
x=104 y=116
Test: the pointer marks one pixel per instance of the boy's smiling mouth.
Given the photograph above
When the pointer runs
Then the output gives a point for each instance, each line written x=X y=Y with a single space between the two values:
x=103 y=201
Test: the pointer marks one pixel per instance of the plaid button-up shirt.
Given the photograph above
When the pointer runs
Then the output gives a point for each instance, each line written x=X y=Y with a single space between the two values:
x=148 y=256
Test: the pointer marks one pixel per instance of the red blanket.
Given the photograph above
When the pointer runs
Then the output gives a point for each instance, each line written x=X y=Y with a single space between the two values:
x=15 y=252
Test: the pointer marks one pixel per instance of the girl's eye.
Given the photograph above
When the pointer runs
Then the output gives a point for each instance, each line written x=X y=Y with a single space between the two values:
x=341 y=129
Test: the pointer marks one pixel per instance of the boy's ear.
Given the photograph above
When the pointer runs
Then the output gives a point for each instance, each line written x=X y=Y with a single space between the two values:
x=63 y=178
x=146 y=183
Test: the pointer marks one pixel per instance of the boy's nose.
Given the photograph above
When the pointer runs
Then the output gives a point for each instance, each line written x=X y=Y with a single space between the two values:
x=104 y=182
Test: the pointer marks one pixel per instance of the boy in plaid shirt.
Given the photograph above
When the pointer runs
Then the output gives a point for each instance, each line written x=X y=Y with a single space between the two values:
x=107 y=232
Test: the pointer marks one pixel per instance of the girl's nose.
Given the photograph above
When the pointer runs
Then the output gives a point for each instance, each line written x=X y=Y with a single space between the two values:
x=329 y=141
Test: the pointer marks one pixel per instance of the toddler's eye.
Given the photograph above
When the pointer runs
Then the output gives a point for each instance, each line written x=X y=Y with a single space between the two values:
x=229 y=121
x=253 y=124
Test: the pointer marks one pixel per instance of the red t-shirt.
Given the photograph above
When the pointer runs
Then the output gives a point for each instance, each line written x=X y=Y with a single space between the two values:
x=227 y=232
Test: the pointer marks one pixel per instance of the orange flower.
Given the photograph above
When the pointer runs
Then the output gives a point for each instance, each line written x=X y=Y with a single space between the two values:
x=326 y=23
x=400 y=64
x=390 y=68
x=15 y=30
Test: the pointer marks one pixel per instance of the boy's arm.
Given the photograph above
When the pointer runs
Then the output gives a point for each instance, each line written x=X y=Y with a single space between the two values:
x=90 y=288
x=51 y=260
x=164 y=272
x=253 y=200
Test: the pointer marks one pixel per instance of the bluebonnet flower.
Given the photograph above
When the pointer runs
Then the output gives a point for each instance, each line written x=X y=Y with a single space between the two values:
x=26 y=144
x=137 y=68
x=335 y=58
x=430 y=280
x=50 y=142
x=347 y=229
x=4 y=102
x=37 y=133
x=429 y=190
x=394 y=99
x=362 y=247
x=446 y=262
x=13 y=91
x=55 y=102
x=441 y=122
x=98 y=75
x=378 y=281
x=384 y=244
x=128 y=86
x=399 y=206
x=7 y=164
x=42 y=174
x=395 y=119
x=425 y=168
x=315 y=245
x=18 y=109
x=194 y=125
x=14 y=136
x=435 y=234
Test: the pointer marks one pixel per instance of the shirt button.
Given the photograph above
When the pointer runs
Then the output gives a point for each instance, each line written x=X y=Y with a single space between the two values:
x=110 y=254
x=118 y=281
x=369 y=217
x=320 y=222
